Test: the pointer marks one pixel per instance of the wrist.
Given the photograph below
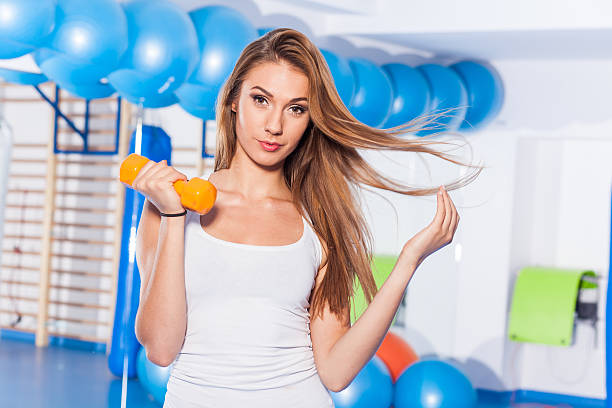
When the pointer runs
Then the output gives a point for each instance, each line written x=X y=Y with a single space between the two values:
x=172 y=210
x=178 y=214
x=408 y=259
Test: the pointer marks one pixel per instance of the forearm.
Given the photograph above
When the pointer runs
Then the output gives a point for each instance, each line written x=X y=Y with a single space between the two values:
x=359 y=344
x=162 y=314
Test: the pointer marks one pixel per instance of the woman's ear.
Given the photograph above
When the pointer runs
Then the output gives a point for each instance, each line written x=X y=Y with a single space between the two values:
x=233 y=106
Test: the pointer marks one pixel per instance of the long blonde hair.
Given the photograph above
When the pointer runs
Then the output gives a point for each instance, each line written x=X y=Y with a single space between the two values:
x=325 y=168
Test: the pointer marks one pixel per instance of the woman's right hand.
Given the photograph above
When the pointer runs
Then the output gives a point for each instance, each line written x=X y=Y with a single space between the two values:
x=156 y=182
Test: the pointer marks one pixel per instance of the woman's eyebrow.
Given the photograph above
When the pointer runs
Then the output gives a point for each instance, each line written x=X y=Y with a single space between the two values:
x=272 y=96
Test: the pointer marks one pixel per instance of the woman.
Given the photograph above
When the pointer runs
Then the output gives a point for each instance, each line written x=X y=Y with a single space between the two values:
x=251 y=300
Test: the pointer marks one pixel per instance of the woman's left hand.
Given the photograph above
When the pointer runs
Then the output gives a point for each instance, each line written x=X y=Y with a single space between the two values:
x=436 y=235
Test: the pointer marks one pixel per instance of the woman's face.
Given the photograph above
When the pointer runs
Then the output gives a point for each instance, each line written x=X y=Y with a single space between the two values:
x=272 y=107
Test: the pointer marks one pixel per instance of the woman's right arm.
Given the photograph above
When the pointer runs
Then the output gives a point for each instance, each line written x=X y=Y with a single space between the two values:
x=161 y=319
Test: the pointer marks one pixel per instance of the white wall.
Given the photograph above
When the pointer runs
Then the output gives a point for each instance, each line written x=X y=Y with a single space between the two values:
x=543 y=199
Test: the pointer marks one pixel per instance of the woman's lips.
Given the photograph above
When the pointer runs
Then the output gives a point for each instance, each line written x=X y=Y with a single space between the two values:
x=269 y=147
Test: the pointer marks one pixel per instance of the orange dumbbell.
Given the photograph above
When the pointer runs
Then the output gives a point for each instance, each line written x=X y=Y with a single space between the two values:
x=196 y=194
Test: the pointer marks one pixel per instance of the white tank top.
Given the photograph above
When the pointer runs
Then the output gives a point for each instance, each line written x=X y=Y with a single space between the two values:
x=248 y=326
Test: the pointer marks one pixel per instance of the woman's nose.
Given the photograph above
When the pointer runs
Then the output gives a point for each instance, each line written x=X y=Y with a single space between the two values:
x=274 y=123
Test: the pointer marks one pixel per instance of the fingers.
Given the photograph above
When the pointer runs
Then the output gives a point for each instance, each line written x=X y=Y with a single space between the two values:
x=452 y=219
x=448 y=212
x=142 y=174
x=439 y=217
x=456 y=215
x=148 y=173
x=169 y=174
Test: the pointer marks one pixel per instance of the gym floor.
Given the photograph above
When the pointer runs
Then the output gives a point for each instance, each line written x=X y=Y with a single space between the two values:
x=56 y=376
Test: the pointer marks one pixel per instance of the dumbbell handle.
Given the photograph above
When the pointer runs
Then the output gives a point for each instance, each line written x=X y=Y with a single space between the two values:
x=196 y=194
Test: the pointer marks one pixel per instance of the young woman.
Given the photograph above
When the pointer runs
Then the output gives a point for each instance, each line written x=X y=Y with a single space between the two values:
x=251 y=300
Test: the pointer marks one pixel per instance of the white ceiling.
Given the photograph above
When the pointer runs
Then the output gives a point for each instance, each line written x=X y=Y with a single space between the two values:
x=411 y=31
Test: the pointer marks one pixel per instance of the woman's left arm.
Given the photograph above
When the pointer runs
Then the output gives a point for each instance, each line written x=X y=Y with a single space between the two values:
x=341 y=350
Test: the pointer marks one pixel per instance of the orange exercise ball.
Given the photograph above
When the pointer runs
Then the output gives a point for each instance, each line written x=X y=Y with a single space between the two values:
x=396 y=354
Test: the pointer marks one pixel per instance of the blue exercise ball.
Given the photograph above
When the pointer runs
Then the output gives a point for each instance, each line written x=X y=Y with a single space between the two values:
x=153 y=377
x=24 y=25
x=204 y=112
x=485 y=91
x=433 y=384
x=161 y=100
x=448 y=98
x=371 y=388
x=219 y=53
x=371 y=102
x=91 y=90
x=263 y=30
x=162 y=50
x=411 y=95
x=22 y=77
x=341 y=71
x=87 y=43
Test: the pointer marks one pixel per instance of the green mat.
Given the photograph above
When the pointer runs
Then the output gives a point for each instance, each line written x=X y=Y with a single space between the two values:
x=544 y=304
x=382 y=265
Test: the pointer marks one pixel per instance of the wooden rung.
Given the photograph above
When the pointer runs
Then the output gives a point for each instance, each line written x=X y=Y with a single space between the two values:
x=21 y=236
x=18 y=100
x=83 y=273
x=26 y=268
x=184 y=149
x=15 y=85
x=80 y=289
x=17 y=175
x=40 y=161
x=12 y=297
x=14 y=312
x=56 y=318
x=78 y=337
x=87 y=210
x=73 y=224
x=88 y=178
x=60 y=239
x=29 y=145
x=73 y=288
x=23 y=190
x=79 y=149
x=25 y=206
x=87 y=163
x=72 y=256
x=79 y=321
x=84 y=193
x=90 y=131
x=12 y=221
x=108 y=115
x=20 y=329
x=14 y=282
x=55 y=302
x=11 y=251
x=75 y=304
x=59 y=271
x=82 y=241
x=73 y=99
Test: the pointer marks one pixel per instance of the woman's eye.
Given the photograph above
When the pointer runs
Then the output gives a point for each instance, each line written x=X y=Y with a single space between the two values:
x=298 y=110
x=259 y=99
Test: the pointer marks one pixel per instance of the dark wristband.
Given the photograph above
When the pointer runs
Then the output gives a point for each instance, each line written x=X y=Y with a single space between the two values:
x=173 y=215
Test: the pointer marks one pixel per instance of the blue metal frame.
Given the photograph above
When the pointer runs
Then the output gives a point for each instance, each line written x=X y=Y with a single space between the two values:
x=204 y=154
x=83 y=133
